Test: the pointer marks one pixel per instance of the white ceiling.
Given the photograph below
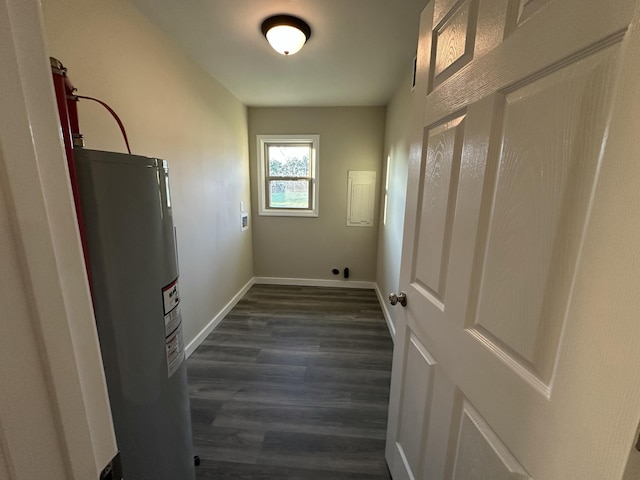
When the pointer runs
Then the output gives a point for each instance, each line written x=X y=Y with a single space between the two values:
x=358 y=52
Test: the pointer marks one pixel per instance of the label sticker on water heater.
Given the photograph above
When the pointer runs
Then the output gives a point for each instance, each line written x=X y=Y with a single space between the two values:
x=174 y=341
x=170 y=296
x=175 y=349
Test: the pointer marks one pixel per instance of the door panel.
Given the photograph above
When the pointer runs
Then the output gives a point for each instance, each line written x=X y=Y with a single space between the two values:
x=414 y=410
x=443 y=425
x=479 y=453
x=511 y=113
x=443 y=147
x=453 y=41
x=536 y=213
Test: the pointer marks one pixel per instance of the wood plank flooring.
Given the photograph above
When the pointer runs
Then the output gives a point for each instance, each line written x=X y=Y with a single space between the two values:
x=293 y=385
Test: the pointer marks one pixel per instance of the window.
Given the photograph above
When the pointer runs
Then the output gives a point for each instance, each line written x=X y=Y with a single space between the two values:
x=288 y=175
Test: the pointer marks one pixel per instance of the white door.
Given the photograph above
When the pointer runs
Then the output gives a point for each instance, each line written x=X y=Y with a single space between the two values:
x=55 y=420
x=518 y=352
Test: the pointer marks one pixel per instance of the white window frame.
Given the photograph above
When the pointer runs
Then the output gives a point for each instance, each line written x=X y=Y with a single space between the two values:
x=262 y=142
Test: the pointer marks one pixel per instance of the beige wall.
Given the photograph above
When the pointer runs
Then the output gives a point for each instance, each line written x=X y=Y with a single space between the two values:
x=351 y=138
x=396 y=154
x=173 y=110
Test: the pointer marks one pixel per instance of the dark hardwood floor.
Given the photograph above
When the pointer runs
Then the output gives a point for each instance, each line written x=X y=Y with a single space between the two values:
x=293 y=385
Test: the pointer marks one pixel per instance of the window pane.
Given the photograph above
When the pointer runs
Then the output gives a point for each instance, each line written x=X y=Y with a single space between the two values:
x=289 y=194
x=289 y=160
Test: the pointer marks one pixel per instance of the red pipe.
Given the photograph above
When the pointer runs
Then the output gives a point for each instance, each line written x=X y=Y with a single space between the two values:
x=72 y=107
x=68 y=113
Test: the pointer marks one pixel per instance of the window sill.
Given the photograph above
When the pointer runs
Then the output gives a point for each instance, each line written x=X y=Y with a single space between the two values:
x=288 y=213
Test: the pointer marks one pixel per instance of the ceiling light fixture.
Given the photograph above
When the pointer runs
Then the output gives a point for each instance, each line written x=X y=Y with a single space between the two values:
x=285 y=33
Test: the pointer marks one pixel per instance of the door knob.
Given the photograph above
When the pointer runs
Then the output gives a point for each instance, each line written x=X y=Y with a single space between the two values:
x=401 y=297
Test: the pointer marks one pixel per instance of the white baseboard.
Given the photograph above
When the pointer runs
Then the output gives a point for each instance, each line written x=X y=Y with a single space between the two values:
x=310 y=282
x=195 y=343
x=387 y=314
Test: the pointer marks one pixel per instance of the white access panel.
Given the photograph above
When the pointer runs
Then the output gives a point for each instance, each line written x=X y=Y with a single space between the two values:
x=361 y=198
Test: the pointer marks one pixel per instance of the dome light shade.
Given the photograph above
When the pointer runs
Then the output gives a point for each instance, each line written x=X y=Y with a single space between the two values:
x=285 y=39
x=285 y=33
